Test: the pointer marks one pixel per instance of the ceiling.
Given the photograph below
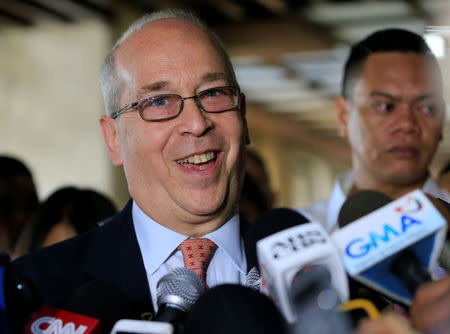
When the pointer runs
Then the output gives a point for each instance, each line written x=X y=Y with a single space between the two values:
x=288 y=54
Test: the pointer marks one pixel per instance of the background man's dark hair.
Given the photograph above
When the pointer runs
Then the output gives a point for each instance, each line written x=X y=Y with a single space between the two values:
x=388 y=40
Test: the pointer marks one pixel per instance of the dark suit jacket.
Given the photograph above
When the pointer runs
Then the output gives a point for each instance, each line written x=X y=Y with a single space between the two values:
x=108 y=253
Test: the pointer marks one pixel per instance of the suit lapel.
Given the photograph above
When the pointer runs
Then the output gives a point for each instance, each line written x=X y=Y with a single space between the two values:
x=116 y=258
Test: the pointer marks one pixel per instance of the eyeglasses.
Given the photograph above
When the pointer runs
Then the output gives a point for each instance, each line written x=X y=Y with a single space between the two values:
x=167 y=106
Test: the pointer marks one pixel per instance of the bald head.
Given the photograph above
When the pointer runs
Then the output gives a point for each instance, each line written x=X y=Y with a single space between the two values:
x=176 y=26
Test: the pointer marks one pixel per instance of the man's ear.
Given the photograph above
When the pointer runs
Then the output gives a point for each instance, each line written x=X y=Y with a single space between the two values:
x=244 y=118
x=111 y=139
x=341 y=108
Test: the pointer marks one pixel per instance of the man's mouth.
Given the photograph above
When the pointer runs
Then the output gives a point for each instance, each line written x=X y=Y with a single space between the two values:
x=197 y=159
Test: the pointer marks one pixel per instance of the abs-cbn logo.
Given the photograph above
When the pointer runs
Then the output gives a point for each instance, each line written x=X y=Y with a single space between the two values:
x=49 y=320
x=50 y=325
x=296 y=242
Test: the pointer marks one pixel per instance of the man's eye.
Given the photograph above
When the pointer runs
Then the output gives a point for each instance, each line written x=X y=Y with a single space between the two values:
x=158 y=101
x=428 y=109
x=212 y=93
x=383 y=107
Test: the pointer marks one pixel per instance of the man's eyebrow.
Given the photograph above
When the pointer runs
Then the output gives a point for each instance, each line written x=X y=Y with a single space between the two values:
x=152 y=87
x=382 y=94
x=214 y=76
x=417 y=98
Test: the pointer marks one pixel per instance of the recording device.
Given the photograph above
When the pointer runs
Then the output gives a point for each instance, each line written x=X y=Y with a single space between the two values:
x=94 y=308
x=286 y=244
x=177 y=291
x=236 y=309
x=53 y=320
x=393 y=248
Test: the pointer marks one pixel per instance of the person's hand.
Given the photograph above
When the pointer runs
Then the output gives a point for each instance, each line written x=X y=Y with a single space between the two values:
x=430 y=310
x=388 y=323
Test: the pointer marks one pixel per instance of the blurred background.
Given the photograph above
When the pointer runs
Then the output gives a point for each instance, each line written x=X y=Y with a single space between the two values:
x=288 y=55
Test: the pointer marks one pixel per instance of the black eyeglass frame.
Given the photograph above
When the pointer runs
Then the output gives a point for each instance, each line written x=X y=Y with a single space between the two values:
x=180 y=109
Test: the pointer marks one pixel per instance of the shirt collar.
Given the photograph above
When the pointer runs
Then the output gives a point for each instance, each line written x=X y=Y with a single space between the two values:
x=154 y=239
x=341 y=189
x=228 y=238
x=161 y=242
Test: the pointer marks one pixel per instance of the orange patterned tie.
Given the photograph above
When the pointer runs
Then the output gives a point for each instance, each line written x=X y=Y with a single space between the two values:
x=196 y=255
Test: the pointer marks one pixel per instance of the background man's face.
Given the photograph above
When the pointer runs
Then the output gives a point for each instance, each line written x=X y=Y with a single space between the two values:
x=172 y=56
x=394 y=118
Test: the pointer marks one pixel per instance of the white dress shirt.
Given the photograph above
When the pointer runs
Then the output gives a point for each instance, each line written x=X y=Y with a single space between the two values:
x=158 y=246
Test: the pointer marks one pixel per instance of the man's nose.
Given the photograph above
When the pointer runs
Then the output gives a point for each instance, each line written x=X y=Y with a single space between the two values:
x=193 y=119
x=406 y=120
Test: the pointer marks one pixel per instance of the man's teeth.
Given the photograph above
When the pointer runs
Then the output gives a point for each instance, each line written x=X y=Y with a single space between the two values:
x=198 y=158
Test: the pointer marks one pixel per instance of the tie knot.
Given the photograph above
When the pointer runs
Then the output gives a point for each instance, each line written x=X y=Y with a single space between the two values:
x=196 y=255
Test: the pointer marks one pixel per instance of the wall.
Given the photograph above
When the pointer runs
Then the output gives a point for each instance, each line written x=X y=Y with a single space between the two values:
x=51 y=104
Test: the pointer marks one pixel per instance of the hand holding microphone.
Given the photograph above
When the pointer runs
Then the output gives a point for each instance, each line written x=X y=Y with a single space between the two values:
x=430 y=310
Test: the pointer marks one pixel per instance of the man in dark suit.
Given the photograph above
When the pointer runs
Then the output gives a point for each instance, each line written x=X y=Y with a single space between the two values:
x=175 y=120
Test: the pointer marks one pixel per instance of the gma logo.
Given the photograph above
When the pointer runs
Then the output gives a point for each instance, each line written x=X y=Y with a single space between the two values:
x=55 y=326
x=362 y=246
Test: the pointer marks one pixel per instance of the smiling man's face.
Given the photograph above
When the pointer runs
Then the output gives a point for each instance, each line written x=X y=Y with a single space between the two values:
x=186 y=172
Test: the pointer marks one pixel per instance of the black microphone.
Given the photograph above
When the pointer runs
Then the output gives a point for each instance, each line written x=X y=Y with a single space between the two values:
x=236 y=309
x=177 y=291
x=360 y=204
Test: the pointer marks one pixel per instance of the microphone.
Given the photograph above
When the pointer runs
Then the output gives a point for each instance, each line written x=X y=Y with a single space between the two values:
x=236 y=309
x=53 y=320
x=286 y=243
x=177 y=291
x=315 y=303
x=253 y=279
x=93 y=309
x=393 y=248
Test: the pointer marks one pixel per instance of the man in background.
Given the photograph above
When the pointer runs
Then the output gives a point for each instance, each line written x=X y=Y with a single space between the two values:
x=391 y=110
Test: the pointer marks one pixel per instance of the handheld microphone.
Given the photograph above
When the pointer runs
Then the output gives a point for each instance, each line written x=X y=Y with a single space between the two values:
x=315 y=303
x=283 y=252
x=393 y=248
x=177 y=291
x=93 y=309
x=236 y=309
x=53 y=320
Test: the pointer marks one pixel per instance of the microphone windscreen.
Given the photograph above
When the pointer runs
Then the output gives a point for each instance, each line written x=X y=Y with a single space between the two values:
x=361 y=204
x=269 y=223
x=104 y=301
x=234 y=309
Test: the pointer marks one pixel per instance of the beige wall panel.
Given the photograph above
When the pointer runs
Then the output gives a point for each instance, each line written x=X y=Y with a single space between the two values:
x=51 y=104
